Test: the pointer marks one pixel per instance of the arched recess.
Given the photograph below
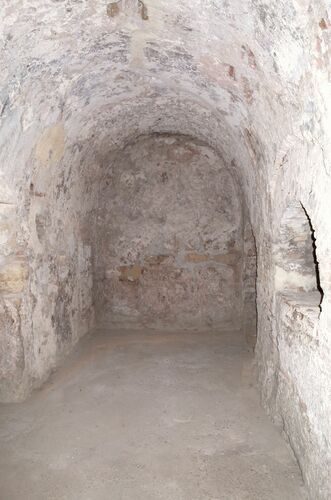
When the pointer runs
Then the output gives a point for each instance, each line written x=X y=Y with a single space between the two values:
x=297 y=269
x=171 y=242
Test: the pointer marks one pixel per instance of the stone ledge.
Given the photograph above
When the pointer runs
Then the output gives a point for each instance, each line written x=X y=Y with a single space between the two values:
x=303 y=300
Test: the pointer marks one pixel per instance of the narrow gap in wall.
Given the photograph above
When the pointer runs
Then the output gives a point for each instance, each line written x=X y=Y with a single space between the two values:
x=316 y=263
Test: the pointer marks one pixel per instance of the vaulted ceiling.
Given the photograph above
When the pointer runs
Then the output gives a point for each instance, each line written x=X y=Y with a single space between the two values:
x=236 y=74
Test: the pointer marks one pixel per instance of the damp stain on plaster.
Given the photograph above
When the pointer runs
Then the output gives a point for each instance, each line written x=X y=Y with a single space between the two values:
x=131 y=273
x=13 y=276
x=195 y=258
x=116 y=7
x=252 y=144
x=248 y=55
x=247 y=90
x=50 y=147
x=157 y=259
x=231 y=72
x=323 y=24
x=143 y=10
x=216 y=70
x=113 y=8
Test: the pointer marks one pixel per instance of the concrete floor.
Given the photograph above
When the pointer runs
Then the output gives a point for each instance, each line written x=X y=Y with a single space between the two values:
x=147 y=416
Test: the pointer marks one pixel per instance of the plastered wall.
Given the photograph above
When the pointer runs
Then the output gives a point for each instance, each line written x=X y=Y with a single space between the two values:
x=169 y=244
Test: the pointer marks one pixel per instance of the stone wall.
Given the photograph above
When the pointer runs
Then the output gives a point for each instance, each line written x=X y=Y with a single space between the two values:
x=14 y=275
x=46 y=267
x=169 y=246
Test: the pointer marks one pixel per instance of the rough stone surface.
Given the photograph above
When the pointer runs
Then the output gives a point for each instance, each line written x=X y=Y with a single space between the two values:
x=170 y=246
x=252 y=80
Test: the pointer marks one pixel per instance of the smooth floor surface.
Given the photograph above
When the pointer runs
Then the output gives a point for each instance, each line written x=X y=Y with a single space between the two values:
x=147 y=416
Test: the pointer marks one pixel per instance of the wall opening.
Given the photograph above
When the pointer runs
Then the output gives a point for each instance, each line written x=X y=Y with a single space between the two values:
x=297 y=267
x=316 y=263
